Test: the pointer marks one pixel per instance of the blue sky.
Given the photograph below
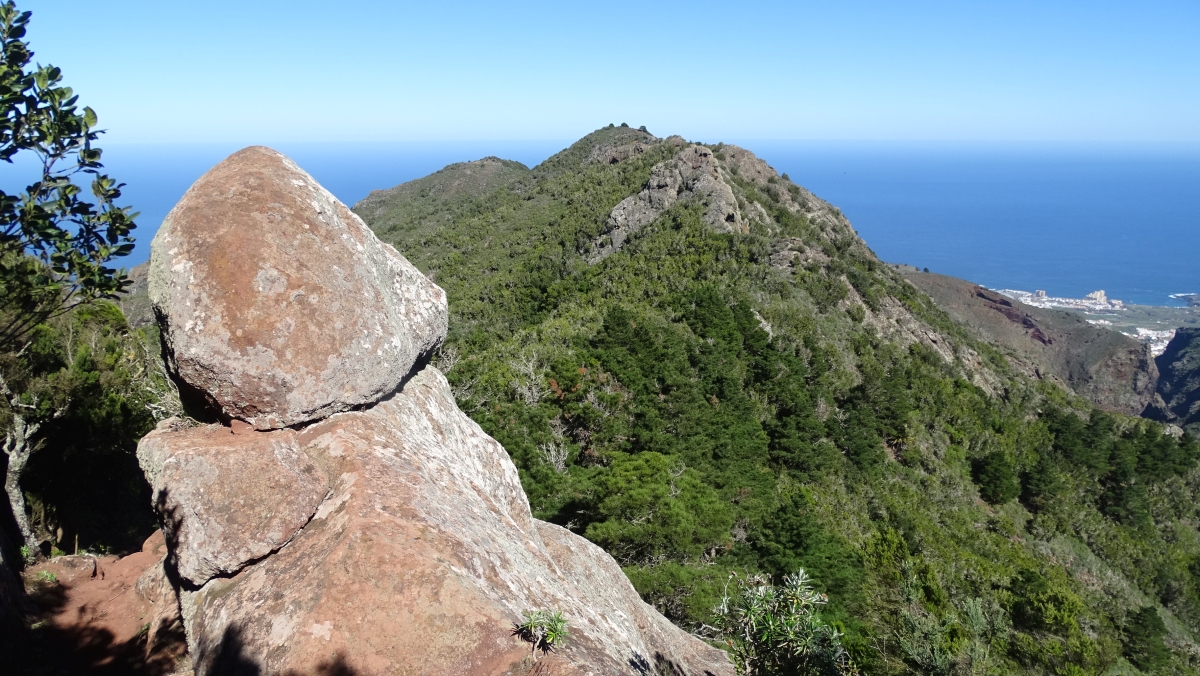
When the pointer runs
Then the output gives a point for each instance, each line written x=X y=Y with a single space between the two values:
x=269 y=71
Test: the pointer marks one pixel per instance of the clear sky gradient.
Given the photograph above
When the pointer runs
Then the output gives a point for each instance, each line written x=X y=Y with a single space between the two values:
x=258 y=71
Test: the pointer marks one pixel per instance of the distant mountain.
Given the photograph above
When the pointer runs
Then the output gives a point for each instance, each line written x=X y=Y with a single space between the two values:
x=135 y=303
x=698 y=365
x=420 y=203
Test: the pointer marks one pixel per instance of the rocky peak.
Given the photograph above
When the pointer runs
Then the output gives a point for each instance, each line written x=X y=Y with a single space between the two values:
x=712 y=176
x=387 y=534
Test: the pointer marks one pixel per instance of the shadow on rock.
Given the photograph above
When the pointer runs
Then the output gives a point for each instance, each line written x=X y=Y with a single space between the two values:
x=231 y=659
x=662 y=666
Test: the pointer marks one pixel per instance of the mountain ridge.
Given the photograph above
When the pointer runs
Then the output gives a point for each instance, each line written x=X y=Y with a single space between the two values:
x=707 y=399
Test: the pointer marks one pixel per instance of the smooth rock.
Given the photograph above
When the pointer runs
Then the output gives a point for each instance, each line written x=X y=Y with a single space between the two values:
x=419 y=561
x=278 y=303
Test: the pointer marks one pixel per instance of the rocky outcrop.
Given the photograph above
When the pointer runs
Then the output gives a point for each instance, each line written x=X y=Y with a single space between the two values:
x=606 y=154
x=394 y=538
x=716 y=178
x=245 y=494
x=829 y=222
x=691 y=174
x=278 y=303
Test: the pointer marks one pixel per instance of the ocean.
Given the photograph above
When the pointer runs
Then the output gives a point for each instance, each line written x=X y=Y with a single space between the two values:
x=1066 y=219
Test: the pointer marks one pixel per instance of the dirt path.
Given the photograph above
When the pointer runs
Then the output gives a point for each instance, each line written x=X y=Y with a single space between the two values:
x=92 y=616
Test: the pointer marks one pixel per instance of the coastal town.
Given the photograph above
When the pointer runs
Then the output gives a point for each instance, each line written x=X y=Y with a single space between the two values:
x=1097 y=303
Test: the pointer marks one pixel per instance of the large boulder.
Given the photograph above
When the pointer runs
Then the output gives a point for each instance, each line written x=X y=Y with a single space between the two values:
x=278 y=303
x=420 y=559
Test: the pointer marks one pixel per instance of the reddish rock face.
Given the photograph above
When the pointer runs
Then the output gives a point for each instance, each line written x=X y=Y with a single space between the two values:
x=420 y=560
x=244 y=495
x=278 y=302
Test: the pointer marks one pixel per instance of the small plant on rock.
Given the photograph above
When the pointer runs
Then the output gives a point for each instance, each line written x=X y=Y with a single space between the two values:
x=543 y=629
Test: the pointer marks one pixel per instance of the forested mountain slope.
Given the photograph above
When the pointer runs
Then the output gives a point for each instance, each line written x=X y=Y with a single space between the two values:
x=698 y=365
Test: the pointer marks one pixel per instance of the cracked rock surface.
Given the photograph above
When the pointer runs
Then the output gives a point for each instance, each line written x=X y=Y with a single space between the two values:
x=227 y=498
x=391 y=539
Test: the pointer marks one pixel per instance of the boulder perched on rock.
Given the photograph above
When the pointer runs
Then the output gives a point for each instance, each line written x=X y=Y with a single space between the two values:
x=394 y=538
x=278 y=303
x=420 y=560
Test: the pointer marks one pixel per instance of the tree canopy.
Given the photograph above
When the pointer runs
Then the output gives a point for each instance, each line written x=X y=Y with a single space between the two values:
x=55 y=243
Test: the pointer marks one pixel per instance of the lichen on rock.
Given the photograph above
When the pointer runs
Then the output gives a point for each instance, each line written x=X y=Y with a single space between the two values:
x=278 y=303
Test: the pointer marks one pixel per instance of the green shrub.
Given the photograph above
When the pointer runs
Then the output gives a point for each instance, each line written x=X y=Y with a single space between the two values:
x=997 y=478
x=543 y=629
x=1143 y=640
x=777 y=630
x=1044 y=604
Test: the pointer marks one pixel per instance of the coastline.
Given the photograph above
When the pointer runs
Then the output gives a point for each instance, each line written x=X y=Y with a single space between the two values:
x=1154 y=325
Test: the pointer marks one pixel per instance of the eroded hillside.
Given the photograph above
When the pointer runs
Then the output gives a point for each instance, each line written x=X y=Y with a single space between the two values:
x=1179 y=385
x=1112 y=370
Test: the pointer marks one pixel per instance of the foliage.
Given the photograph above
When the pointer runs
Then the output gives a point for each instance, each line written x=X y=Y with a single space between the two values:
x=1039 y=605
x=1119 y=466
x=55 y=248
x=54 y=245
x=84 y=481
x=777 y=629
x=544 y=629
x=1143 y=640
x=997 y=478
